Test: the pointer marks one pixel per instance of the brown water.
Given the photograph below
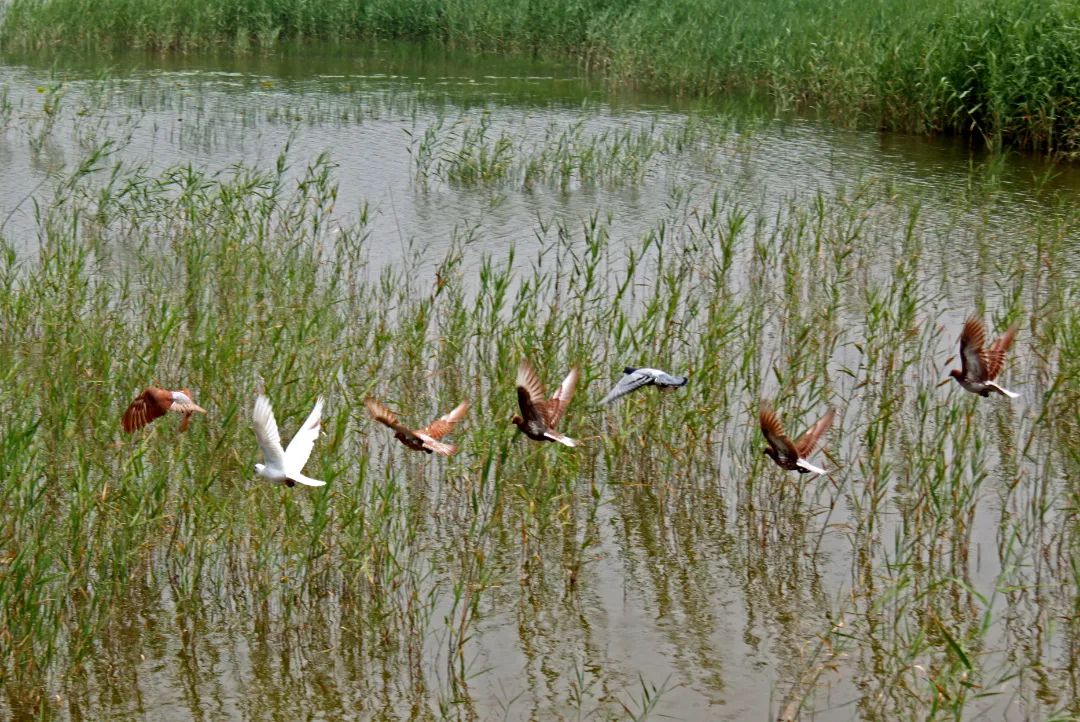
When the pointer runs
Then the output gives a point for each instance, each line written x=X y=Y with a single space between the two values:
x=702 y=598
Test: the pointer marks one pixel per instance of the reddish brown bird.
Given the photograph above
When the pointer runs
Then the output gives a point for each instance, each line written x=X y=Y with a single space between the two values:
x=980 y=366
x=155 y=402
x=540 y=416
x=792 y=455
x=425 y=439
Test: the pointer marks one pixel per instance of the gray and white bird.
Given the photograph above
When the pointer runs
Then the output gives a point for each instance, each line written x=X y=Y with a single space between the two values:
x=634 y=379
x=284 y=466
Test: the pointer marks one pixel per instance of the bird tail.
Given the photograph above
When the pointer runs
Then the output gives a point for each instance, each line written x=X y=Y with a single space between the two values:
x=305 y=480
x=564 y=440
x=804 y=464
x=1003 y=391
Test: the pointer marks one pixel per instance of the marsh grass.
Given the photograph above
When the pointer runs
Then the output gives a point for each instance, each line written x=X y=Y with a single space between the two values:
x=1001 y=72
x=401 y=566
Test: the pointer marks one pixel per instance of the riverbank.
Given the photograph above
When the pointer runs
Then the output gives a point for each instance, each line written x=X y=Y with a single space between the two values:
x=1003 y=73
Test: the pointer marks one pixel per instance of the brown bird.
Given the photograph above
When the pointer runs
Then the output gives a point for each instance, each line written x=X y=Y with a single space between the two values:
x=788 y=455
x=154 y=402
x=540 y=416
x=425 y=439
x=980 y=366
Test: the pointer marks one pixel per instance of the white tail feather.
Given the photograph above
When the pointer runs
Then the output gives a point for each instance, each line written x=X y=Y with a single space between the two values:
x=804 y=464
x=1006 y=392
x=564 y=440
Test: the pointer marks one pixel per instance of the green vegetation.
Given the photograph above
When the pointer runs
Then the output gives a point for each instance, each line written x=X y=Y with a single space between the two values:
x=1005 y=72
x=376 y=586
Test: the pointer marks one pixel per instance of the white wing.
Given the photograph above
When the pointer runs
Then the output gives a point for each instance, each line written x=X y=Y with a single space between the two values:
x=299 y=450
x=267 y=434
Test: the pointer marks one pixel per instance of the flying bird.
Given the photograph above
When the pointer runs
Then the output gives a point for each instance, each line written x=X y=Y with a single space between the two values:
x=425 y=439
x=540 y=416
x=789 y=455
x=980 y=366
x=284 y=466
x=634 y=379
x=155 y=402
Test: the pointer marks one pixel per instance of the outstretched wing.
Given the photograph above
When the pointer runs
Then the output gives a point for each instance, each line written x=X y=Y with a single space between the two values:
x=382 y=414
x=303 y=441
x=530 y=394
x=443 y=425
x=266 y=433
x=556 y=407
x=994 y=357
x=628 y=383
x=972 y=340
x=147 y=406
x=774 y=434
x=666 y=379
x=808 y=442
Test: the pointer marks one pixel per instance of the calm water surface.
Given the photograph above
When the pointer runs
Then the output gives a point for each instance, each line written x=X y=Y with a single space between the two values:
x=682 y=601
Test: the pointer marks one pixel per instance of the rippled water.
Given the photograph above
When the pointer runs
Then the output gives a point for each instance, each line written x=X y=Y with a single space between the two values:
x=676 y=598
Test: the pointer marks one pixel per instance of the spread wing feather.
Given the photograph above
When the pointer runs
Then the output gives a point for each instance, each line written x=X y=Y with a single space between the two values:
x=994 y=357
x=266 y=433
x=556 y=407
x=303 y=441
x=774 y=434
x=808 y=442
x=972 y=340
x=443 y=425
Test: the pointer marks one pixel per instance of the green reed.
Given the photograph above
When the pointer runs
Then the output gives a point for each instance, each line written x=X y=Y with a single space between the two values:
x=236 y=281
x=1002 y=72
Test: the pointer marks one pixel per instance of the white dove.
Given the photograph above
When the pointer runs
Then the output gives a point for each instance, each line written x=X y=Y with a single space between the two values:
x=283 y=466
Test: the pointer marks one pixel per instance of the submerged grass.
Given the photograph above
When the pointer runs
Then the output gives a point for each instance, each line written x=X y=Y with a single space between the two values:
x=1002 y=72
x=385 y=585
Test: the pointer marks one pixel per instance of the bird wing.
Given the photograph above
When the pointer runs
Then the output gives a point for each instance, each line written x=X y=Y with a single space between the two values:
x=266 y=433
x=183 y=404
x=303 y=441
x=382 y=414
x=147 y=406
x=773 y=431
x=530 y=394
x=994 y=357
x=666 y=379
x=443 y=425
x=972 y=339
x=628 y=383
x=807 y=443
x=556 y=407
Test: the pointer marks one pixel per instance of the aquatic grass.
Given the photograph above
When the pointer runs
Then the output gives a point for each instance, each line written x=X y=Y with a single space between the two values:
x=400 y=569
x=1001 y=73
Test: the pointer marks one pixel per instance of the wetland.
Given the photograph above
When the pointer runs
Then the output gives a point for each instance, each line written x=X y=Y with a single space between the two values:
x=407 y=221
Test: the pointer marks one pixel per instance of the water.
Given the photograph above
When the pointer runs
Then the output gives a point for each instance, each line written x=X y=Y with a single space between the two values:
x=702 y=604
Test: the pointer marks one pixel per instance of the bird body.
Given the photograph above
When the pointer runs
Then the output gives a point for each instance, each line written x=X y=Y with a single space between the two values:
x=980 y=366
x=786 y=453
x=425 y=439
x=155 y=402
x=636 y=378
x=540 y=416
x=285 y=466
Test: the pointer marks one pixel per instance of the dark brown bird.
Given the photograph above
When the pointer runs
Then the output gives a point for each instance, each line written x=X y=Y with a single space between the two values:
x=539 y=415
x=155 y=402
x=980 y=366
x=425 y=439
x=789 y=455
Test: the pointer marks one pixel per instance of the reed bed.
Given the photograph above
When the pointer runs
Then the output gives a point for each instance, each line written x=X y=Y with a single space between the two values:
x=1001 y=73
x=930 y=576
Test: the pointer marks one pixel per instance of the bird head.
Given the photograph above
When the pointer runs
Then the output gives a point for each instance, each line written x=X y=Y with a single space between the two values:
x=259 y=469
x=629 y=370
x=769 y=452
x=954 y=374
x=517 y=420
